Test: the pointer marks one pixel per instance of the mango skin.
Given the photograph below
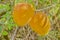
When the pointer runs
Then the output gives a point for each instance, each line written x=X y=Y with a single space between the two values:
x=22 y=13
x=40 y=23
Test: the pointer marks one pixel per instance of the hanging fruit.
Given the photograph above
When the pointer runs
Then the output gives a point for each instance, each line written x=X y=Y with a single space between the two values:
x=40 y=23
x=22 y=13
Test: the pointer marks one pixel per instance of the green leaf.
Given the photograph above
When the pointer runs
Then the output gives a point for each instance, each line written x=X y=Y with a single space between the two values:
x=4 y=7
x=40 y=38
x=55 y=1
x=54 y=10
x=9 y=27
x=59 y=16
x=53 y=34
x=9 y=24
x=41 y=1
x=1 y=28
x=29 y=1
x=58 y=5
x=19 y=1
x=8 y=15
x=4 y=33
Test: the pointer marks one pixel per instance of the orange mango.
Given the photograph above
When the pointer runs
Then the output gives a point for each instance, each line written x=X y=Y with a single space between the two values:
x=22 y=13
x=40 y=23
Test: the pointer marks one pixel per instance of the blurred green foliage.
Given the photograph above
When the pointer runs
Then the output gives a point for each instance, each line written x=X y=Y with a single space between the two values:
x=0 y=28
x=7 y=24
x=4 y=7
x=4 y=33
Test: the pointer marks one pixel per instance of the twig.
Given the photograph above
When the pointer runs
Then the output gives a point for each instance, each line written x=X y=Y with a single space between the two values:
x=14 y=34
x=48 y=7
x=36 y=3
x=28 y=33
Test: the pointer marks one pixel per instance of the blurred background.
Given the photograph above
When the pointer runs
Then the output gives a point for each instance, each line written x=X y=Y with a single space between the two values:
x=10 y=31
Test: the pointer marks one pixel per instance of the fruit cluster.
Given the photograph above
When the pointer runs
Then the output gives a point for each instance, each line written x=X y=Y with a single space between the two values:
x=24 y=14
